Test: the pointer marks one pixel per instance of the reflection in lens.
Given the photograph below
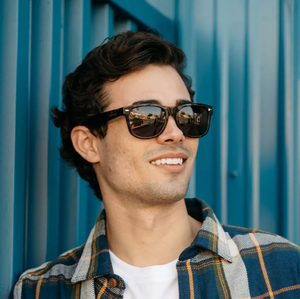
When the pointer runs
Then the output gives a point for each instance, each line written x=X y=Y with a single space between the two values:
x=146 y=121
x=192 y=120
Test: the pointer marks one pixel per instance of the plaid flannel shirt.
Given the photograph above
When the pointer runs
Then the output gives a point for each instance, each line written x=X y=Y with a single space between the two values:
x=223 y=262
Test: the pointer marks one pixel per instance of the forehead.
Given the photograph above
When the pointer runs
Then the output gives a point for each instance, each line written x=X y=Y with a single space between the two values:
x=160 y=83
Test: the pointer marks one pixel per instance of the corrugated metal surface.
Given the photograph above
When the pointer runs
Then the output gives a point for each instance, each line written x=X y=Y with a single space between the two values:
x=247 y=66
x=244 y=58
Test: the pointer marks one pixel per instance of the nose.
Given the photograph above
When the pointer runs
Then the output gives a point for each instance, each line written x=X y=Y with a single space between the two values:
x=171 y=133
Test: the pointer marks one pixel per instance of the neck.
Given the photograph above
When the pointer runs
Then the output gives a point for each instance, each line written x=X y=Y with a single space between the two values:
x=149 y=236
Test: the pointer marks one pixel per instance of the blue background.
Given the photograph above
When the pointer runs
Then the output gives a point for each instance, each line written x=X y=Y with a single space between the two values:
x=244 y=58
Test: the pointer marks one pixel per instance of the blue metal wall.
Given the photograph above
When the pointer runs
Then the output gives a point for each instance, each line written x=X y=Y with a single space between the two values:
x=246 y=64
x=244 y=59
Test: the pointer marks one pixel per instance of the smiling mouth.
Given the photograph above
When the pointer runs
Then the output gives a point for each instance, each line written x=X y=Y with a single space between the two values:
x=168 y=161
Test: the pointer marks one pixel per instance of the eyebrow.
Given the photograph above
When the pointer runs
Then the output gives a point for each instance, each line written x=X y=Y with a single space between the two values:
x=152 y=101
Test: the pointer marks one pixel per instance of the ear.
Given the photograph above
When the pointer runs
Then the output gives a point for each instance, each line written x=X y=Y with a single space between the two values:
x=85 y=144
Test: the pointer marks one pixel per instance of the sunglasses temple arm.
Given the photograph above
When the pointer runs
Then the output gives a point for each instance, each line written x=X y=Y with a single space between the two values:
x=112 y=114
x=103 y=118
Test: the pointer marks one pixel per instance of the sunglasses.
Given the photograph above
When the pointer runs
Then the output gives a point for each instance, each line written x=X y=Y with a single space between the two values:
x=147 y=121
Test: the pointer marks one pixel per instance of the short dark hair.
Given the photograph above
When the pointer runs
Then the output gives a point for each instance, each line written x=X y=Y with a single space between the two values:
x=83 y=90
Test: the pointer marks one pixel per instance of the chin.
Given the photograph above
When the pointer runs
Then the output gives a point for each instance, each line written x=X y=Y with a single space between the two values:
x=164 y=195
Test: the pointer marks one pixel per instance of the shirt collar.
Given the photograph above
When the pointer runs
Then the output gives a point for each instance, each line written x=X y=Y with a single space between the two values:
x=95 y=260
x=211 y=235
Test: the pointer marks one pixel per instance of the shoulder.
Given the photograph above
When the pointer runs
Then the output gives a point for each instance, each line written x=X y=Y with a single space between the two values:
x=273 y=248
x=248 y=237
x=59 y=271
x=266 y=259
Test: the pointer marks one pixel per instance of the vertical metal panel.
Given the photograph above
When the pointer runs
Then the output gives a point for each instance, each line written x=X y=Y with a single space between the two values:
x=166 y=7
x=145 y=14
x=8 y=68
x=268 y=89
x=296 y=93
x=102 y=23
x=21 y=140
x=252 y=116
x=286 y=131
x=86 y=30
x=236 y=137
x=53 y=182
x=123 y=25
x=39 y=120
x=222 y=69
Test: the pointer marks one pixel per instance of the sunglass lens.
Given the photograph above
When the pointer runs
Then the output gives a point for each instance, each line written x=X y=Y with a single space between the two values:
x=146 y=121
x=193 y=120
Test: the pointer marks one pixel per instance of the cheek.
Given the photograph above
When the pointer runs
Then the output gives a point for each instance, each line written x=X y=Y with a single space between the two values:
x=117 y=156
x=196 y=145
x=193 y=144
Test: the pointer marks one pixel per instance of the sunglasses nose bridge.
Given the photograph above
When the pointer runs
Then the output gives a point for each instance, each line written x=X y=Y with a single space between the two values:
x=172 y=111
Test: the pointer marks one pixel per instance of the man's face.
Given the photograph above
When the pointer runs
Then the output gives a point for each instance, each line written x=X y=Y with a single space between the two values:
x=132 y=168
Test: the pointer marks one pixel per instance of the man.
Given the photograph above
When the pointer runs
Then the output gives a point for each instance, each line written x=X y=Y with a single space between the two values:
x=130 y=127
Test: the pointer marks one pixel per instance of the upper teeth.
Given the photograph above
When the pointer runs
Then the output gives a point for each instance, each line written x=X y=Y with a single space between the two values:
x=168 y=161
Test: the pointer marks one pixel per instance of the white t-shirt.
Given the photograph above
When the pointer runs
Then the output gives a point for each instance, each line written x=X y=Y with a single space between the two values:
x=154 y=282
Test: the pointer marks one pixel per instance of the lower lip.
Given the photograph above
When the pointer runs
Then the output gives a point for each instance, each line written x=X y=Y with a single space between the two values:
x=171 y=167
